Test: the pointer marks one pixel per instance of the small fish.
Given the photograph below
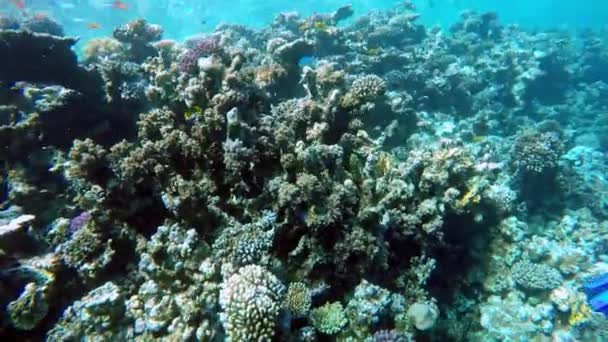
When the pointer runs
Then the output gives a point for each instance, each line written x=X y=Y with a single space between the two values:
x=596 y=290
x=487 y=166
x=306 y=61
x=321 y=26
x=78 y=20
x=193 y=112
x=93 y=26
x=67 y=5
x=40 y=16
x=372 y=51
x=120 y=5
x=20 y=4
x=599 y=302
x=596 y=284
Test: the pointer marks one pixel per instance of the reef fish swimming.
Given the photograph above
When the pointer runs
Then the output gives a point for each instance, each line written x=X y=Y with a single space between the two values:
x=597 y=293
x=20 y=4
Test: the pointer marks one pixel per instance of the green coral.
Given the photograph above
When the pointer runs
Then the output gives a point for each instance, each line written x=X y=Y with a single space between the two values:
x=30 y=308
x=368 y=306
x=298 y=299
x=329 y=318
x=87 y=252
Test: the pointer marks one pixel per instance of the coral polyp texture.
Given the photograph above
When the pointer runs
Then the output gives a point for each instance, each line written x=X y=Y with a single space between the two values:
x=316 y=179
x=250 y=301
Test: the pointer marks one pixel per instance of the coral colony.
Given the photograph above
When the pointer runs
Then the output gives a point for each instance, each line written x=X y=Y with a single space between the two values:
x=375 y=181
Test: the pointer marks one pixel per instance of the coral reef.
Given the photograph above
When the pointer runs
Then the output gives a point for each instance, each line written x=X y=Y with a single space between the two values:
x=315 y=179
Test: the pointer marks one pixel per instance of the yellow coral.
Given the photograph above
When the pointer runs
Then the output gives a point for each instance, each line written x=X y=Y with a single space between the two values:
x=321 y=26
x=384 y=163
x=318 y=25
x=579 y=313
x=304 y=26
x=372 y=51
x=470 y=197
x=193 y=111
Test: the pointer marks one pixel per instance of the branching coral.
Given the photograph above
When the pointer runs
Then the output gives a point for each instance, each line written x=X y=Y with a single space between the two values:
x=329 y=318
x=202 y=176
x=298 y=299
x=251 y=300
x=535 y=276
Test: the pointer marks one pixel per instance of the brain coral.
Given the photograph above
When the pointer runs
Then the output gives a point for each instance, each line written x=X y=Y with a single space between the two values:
x=250 y=300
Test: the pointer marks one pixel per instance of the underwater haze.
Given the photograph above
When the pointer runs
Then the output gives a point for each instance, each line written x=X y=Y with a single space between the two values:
x=261 y=171
x=181 y=18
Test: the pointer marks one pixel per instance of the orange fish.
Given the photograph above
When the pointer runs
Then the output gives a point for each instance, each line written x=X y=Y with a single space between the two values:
x=19 y=3
x=93 y=26
x=120 y=5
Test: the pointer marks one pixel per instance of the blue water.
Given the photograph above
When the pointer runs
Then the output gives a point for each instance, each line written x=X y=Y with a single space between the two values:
x=182 y=18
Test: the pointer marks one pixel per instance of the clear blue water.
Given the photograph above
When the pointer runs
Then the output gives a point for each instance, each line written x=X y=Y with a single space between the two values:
x=182 y=18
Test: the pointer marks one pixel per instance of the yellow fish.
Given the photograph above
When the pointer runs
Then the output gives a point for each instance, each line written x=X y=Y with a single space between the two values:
x=191 y=112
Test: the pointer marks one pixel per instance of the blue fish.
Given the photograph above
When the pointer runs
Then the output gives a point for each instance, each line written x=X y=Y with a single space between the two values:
x=306 y=61
x=596 y=284
x=599 y=302
x=596 y=290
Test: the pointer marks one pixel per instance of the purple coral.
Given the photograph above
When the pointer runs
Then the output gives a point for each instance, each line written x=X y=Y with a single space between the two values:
x=79 y=221
x=196 y=48
x=389 y=336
